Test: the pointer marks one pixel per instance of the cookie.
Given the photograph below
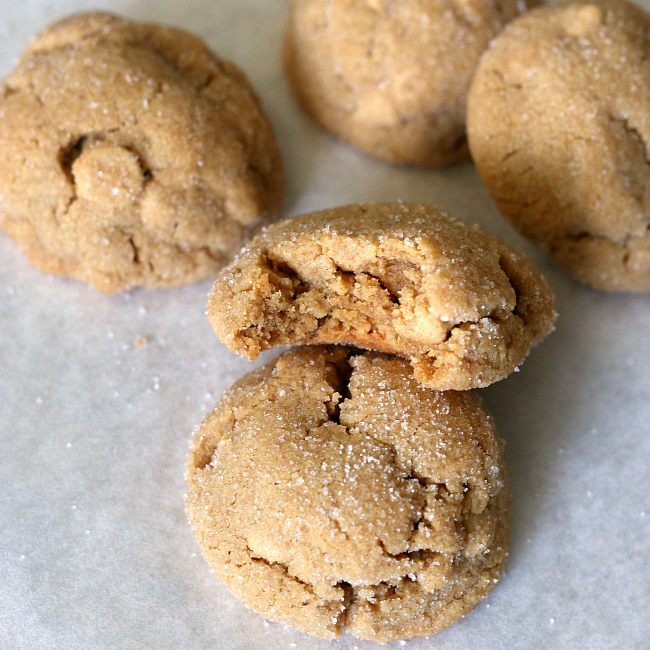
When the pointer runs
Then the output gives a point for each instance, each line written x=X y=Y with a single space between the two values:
x=392 y=77
x=130 y=155
x=559 y=128
x=406 y=279
x=331 y=492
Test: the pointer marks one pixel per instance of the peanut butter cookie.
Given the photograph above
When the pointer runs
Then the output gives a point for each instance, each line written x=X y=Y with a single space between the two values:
x=559 y=128
x=392 y=77
x=130 y=155
x=407 y=279
x=332 y=492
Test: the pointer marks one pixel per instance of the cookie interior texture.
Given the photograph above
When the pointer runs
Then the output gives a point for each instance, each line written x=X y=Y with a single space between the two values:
x=131 y=155
x=407 y=279
x=332 y=492
x=392 y=77
x=559 y=127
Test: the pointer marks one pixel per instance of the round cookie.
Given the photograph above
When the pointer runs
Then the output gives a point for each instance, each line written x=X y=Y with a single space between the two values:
x=392 y=77
x=559 y=128
x=130 y=155
x=332 y=492
x=406 y=279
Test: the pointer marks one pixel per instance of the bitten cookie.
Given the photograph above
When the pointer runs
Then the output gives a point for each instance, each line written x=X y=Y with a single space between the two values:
x=407 y=279
x=392 y=77
x=130 y=155
x=559 y=128
x=332 y=492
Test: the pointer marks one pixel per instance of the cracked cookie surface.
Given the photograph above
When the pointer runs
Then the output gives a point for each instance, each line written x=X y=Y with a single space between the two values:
x=406 y=279
x=392 y=77
x=559 y=128
x=130 y=155
x=332 y=492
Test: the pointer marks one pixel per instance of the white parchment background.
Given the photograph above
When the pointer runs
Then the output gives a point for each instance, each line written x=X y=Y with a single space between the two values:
x=95 y=551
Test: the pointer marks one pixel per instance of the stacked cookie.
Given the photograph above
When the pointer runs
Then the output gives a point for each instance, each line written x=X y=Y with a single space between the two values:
x=338 y=488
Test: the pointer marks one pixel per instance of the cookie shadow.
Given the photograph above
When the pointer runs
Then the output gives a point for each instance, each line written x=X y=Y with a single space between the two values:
x=543 y=411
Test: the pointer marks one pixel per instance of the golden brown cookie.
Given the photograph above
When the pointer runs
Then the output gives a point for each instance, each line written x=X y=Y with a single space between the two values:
x=559 y=128
x=130 y=155
x=392 y=77
x=332 y=492
x=407 y=279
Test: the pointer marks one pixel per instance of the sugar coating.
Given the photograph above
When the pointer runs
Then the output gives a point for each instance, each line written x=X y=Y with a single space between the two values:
x=130 y=155
x=392 y=77
x=407 y=279
x=332 y=492
x=559 y=126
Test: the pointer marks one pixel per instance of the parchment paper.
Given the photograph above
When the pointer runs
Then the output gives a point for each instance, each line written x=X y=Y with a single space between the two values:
x=95 y=550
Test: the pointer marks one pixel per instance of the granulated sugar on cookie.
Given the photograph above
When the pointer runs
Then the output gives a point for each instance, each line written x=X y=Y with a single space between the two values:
x=332 y=492
x=130 y=155
x=392 y=77
x=559 y=128
x=407 y=279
